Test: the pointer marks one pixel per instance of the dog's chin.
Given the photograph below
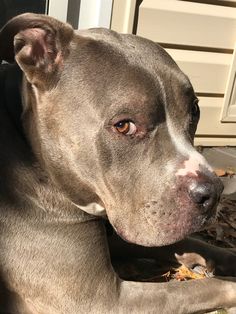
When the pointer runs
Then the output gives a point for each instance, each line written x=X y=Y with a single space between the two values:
x=162 y=235
x=159 y=240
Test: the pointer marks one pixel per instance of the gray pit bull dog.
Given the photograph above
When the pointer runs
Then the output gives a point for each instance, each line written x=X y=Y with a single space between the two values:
x=106 y=130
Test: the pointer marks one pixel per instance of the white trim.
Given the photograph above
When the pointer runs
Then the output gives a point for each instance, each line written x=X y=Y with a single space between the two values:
x=46 y=6
x=123 y=16
x=229 y=106
x=58 y=9
x=215 y=141
x=95 y=13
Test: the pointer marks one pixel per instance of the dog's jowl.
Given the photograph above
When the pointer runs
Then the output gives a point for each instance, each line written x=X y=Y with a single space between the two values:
x=98 y=126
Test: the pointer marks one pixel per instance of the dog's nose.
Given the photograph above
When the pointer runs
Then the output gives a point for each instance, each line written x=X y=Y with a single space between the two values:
x=203 y=194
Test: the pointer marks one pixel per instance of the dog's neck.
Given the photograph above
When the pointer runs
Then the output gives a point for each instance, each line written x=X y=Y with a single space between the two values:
x=21 y=172
x=37 y=215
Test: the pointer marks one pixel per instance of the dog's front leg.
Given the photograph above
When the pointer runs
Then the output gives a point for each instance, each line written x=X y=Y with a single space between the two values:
x=193 y=251
x=198 y=296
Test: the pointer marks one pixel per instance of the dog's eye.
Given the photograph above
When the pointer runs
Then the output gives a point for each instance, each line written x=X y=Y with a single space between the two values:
x=195 y=109
x=126 y=127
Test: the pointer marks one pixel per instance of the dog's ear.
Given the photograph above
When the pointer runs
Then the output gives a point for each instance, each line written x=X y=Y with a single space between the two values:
x=38 y=43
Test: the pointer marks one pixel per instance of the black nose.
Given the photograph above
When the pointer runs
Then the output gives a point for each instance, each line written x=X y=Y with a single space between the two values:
x=204 y=194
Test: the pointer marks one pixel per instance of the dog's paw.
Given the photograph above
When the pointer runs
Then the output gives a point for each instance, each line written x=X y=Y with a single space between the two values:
x=191 y=260
x=221 y=263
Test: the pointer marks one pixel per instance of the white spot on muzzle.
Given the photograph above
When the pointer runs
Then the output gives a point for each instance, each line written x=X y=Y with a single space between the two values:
x=194 y=161
x=192 y=165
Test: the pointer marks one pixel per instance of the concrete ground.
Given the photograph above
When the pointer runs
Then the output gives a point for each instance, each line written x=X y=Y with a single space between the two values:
x=223 y=158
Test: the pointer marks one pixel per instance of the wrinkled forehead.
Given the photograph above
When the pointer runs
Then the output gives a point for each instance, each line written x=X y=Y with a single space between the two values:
x=133 y=69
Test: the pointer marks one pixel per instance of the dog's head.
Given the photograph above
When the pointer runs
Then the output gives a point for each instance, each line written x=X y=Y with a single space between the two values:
x=112 y=118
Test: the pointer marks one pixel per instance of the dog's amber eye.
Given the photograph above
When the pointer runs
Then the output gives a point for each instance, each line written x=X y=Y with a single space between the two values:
x=126 y=127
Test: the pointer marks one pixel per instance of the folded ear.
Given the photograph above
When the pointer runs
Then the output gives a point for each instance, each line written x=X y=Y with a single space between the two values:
x=38 y=43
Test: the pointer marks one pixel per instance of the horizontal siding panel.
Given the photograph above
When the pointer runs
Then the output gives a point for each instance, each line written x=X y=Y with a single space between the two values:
x=227 y=3
x=214 y=141
x=207 y=71
x=187 y=23
x=210 y=124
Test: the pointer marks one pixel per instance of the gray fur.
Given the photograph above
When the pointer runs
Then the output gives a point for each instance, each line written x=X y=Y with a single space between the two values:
x=69 y=163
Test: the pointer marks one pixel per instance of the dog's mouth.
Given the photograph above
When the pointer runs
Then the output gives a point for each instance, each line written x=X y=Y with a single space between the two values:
x=164 y=221
x=185 y=205
x=158 y=231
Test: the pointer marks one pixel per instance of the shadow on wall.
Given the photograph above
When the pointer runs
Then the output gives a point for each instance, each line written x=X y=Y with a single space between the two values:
x=10 y=8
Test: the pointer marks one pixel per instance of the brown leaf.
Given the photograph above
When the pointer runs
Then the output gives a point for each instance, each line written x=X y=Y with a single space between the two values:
x=220 y=172
x=183 y=273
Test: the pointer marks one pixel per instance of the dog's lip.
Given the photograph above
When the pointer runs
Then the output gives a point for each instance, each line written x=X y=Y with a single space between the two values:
x=168 y=238
x=194 y=223
x=121 y=234
x=169 y=233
